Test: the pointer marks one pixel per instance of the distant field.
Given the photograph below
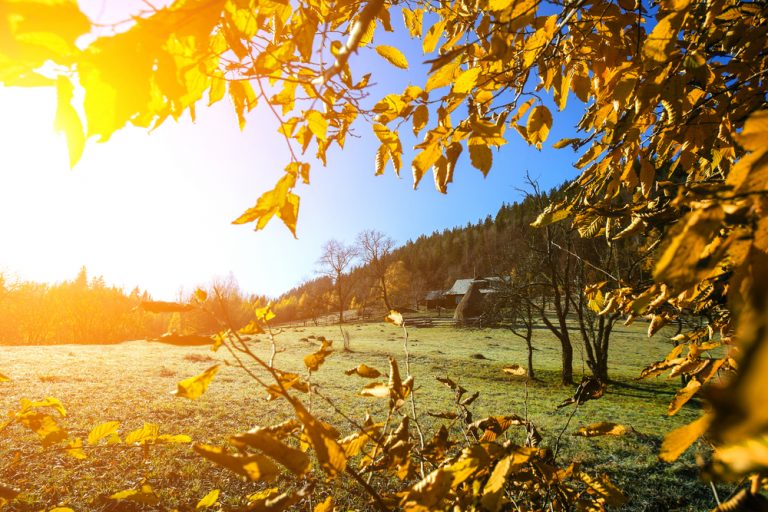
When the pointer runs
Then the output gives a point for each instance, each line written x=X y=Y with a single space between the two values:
x=131 y=383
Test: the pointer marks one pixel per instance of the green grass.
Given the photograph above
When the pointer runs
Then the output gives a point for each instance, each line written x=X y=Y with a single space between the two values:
x=132 y=383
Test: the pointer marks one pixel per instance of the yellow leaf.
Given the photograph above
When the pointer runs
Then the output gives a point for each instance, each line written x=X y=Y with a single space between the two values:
x=499 y=5
x=660 y=42
x=325 y=506
x=680 y=265
x=515 y=370
x=466 y=81
x=603 y=486
x=144 y=495
x=602 y=428
x=208 y=500
x=4 y=378
x=317 y=123
x=539 y=123
x=428 y=493
x=382 y=157
x=147 y=433
x=677 y=441
x=647 y=176
x=255 y=467
x=413 y=20
x=295 y=460
x=365 y=371
x=376 y=390
x=443 y=169
x=549 y=216
x=313 y=361
x=420 y=118
x=441 y=77
x=75 y=449
x=101 y=431
x=44 y=426
x=195 y=386
x=743 y=457
x=394 y=317
x=755 y=132
x=536 y=44
x=68 y=121
x=218 y=88
x=174 y=439
x=683 y=395
x=562 y=86
x=480 y=155
x=494 y=487
x=329 y=453
x=393 y=56
x=433 y=37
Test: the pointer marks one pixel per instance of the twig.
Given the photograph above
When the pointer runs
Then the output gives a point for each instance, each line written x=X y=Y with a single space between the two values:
x=370 y=490
x=413 y=401
x=355 y=35
x=568 y=422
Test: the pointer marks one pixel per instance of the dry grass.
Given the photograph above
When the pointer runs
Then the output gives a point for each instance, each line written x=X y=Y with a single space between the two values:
x=132 y=383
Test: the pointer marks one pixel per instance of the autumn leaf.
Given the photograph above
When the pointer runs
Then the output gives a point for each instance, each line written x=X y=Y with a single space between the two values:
x=433 y=36
x=539 y=123
x=480 y=156
x=681 y=264
x=441 y=77
x=146 y=434
x=376 y=390
x=680 y=439
x=393 y=56
x=75 y=449
x=329 y=453
x=516 y=370
x=466 y=81
x=365 y=371
x=395 y=318
x=295 y=460
x=195 y=386
x=684 y=395
x=208 y=500
x=317 y=124
x=660 y=42
x=602 y=428
x=603 y=486
x=325 y=506
x=102 y=431
x=254 y=467
x=144 y=495
x=4 y=378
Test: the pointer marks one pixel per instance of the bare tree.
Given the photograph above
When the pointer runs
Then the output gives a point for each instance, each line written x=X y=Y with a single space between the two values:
x=375 y=249
x=335 y=260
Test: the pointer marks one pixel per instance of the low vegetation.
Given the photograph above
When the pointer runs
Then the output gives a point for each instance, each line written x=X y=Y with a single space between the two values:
x=129 y=383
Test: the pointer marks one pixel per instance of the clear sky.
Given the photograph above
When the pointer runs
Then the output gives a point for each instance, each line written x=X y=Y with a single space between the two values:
x=154 y=210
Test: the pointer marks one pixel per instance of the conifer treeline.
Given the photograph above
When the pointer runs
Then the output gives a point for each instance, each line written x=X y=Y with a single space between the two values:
x=431 y=262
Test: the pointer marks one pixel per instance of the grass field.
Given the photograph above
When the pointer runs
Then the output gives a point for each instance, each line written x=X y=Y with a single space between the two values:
x=132 y=383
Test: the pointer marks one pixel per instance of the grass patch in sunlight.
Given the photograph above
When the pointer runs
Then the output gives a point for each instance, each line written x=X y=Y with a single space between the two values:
x=121 y=383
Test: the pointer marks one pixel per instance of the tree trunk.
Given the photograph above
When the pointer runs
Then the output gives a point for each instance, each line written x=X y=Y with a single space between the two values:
x=384 y=293
x=566 y=376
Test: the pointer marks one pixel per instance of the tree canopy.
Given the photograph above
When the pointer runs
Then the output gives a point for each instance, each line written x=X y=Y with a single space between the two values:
x=671 y=139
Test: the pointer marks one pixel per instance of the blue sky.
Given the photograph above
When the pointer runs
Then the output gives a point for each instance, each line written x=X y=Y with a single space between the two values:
x=154 y=210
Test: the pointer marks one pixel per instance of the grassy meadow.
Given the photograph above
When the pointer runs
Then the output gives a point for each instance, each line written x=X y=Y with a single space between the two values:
x=132 y=383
